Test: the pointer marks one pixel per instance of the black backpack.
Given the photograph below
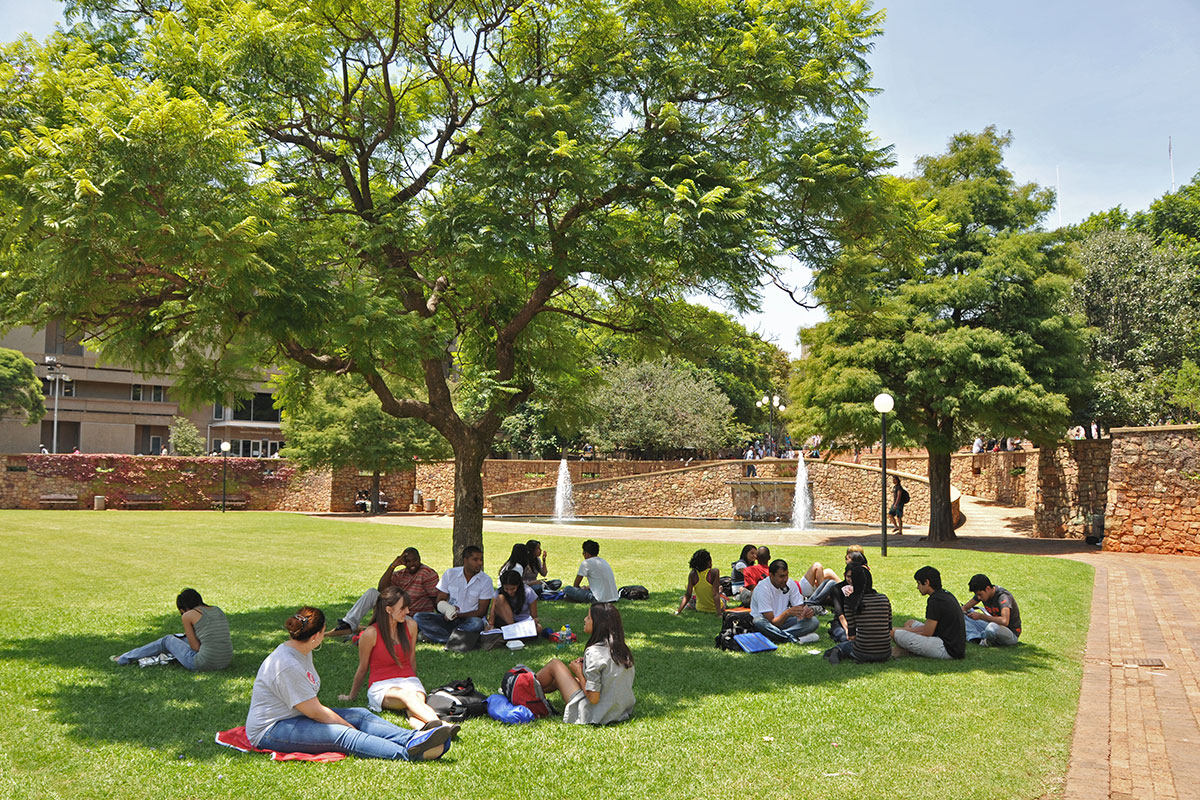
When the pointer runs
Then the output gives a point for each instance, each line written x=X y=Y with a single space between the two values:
x=457 y=701
x=634 y=592
x=733 y=624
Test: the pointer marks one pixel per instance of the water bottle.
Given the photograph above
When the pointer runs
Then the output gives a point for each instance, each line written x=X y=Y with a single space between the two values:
x=562 y=637
x=567 y=636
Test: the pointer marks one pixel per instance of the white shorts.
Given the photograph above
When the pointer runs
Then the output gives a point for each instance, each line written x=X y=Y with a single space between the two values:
x=806 y=588
x=378 y=689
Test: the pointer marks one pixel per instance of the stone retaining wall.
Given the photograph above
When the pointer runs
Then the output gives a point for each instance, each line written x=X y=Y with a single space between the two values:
x=1072 y=489
x=1008 y=477
x=841 y=492
x=266 y=484
x=435 y=479
x=1154 y=490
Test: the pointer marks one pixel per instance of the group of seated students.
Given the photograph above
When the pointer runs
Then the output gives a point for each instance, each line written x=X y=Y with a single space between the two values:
x=787 y=610
x=286 y=715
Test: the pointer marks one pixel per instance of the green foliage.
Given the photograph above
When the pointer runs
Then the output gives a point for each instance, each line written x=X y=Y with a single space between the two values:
x=184 y=438
x=335 y=421
x=1140 y=305
x=666 y=406
x=431 y=199
x=1184 y=391
x=972 y=336
x=100 y=731
x=21 y=392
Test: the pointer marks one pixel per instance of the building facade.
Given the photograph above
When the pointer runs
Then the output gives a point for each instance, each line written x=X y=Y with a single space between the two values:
x=105 y=408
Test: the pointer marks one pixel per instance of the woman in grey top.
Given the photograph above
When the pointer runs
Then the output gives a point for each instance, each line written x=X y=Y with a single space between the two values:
x=598 y=688
x=204 y=644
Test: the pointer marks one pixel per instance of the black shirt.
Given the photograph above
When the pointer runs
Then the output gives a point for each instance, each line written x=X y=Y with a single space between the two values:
x=951 y=624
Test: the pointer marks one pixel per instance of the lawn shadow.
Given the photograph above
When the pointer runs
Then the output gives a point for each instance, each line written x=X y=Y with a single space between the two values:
x=170 y=709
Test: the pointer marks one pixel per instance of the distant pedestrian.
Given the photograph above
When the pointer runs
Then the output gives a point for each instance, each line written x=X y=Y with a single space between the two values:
x=899 y=501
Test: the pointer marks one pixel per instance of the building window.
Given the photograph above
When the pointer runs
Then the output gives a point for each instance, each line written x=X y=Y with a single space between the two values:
x=135 y=391
x=68 y=388
x=260 y=408
x=218 y=413
x=158 y=394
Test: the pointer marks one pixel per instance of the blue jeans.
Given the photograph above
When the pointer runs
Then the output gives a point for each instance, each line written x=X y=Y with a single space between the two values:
x=175 y=645
x=821 y=595
x=993 y=632
x=436 y=628
x=791 y=630
x=371 y=736
x=837 y=632
x=579 y=594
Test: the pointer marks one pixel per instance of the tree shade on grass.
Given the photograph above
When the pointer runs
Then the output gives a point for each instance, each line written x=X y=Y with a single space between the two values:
x=77 y=587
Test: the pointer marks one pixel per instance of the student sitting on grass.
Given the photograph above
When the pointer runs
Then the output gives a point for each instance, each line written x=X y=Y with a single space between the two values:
x=843 y=593
x=703 y=591
x=598 y=687
x=748 y=557
x=868 y=617
x=387 y=650
x=534 y=573
x=204 y=644
x=286 y=716
x=514 y=602
x=943 y=634
x=1000 y=621
x=816 y=584
x=778 y=610
x=754 y=573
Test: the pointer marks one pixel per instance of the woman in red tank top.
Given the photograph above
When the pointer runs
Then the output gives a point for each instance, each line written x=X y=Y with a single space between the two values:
x=386 y=648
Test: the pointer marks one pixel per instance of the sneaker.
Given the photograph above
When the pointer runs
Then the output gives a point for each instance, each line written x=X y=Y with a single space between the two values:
x=342 y=629
x=833 y=655
x=808 y=638
x=428 y=745
x=985 y=642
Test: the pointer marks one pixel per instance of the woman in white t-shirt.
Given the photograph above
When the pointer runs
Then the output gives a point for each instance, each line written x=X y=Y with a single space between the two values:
x=286 y=716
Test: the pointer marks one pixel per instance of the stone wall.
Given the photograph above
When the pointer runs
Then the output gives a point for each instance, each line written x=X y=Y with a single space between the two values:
x=265 y=484
x=841 y=492
x=1008 y=477
x=435 y=479
x=1154 y=490
x=1071 y=489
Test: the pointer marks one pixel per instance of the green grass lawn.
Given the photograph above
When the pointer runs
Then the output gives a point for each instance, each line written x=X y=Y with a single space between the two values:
x=77 y=587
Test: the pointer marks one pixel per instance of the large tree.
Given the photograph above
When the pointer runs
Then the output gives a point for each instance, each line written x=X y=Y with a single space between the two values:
x=972 y=336
x=21 y=392
x=1140 y=305
x=417 y=193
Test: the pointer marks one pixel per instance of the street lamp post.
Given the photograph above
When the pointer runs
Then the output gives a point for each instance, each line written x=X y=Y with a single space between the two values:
x=55 y=375
x=771 y=403
x=883 y=404
x=224 y=471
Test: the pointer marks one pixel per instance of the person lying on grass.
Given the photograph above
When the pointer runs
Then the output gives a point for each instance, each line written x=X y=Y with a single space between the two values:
x=286 y=716
x=204 y=644
x=598 y=687
x=514 y=602
x=387 y=649
x=703 y=591
x=816 y=584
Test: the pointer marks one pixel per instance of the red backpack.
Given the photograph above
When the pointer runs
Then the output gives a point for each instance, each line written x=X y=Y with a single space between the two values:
x=522 y=688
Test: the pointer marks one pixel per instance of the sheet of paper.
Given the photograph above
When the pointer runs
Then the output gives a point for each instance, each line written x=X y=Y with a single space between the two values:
x=520 y=630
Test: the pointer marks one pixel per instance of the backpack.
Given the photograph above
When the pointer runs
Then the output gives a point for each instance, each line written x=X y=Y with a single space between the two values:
x=733 y=624
x=457 y=701
x=727 y=586
x=634 y=592
x=903 y=496
x=521 y=687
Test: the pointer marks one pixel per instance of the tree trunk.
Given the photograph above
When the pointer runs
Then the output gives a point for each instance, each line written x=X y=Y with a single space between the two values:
x=469 y=453
x=941 y=515
x=375 y=492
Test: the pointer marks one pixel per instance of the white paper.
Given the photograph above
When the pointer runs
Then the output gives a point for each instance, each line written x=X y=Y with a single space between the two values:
x=519 y=630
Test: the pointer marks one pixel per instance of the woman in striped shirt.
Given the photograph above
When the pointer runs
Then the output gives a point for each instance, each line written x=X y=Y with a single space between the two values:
x=868 y=616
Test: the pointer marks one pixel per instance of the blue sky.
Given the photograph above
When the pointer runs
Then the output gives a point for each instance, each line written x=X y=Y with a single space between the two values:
x=1090 y=89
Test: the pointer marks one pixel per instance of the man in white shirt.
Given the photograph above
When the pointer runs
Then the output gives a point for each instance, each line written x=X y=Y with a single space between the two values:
x=463 y=597
x=602 y=585
x=778 y=609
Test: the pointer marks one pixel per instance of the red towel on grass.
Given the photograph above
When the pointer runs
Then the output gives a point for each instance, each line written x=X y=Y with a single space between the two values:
x=237 y=739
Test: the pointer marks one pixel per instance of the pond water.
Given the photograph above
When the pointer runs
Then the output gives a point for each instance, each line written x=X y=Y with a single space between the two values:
x=653 y=522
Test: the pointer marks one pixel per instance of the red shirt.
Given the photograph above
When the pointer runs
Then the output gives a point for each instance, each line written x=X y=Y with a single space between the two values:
x=753 y=574
x=420 y=586
x=383 y=666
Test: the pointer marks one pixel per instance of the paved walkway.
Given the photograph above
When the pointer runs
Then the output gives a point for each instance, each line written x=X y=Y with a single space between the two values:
x=1137 y=730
